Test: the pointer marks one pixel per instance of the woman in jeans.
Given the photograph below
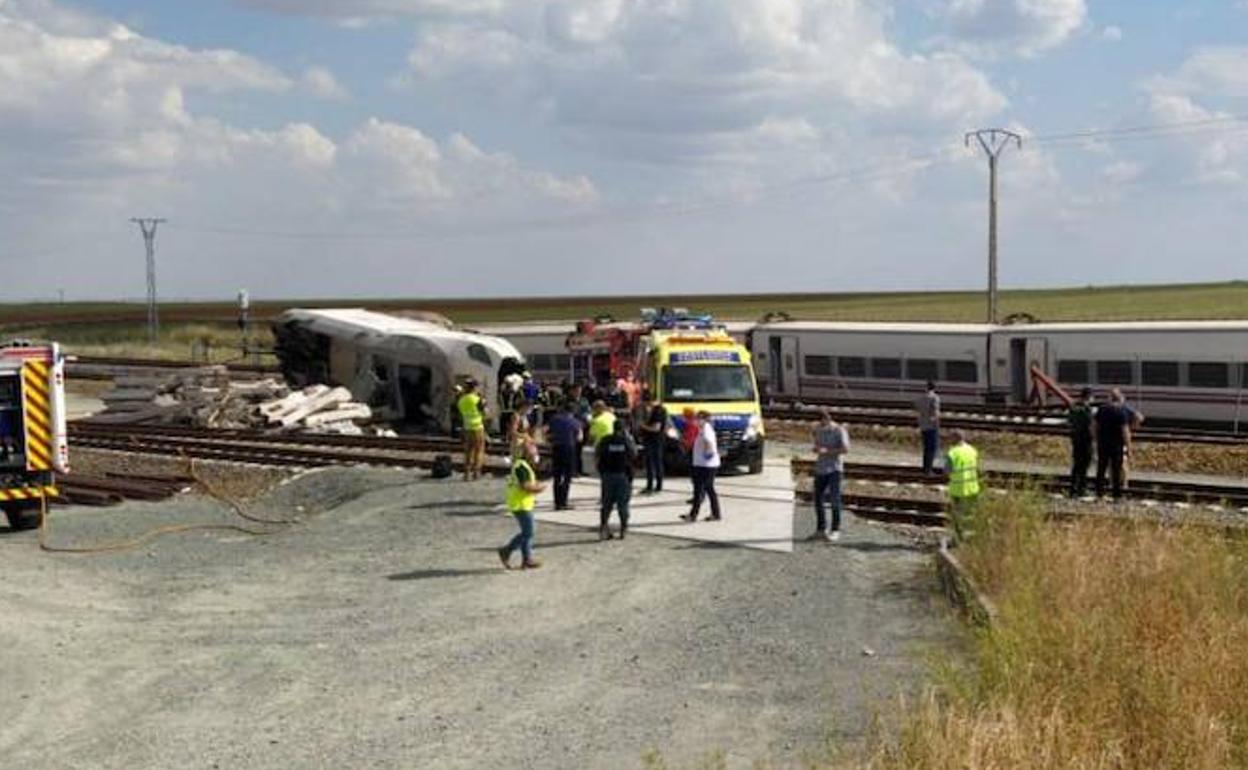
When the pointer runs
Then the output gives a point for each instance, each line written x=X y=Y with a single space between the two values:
x=705 y=464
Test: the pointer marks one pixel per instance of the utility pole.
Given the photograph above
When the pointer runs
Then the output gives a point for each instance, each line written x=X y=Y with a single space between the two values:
x=993 y=141
x=148 y=228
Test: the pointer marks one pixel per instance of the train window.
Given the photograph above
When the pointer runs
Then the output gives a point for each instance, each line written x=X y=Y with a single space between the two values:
x=961 y=371
x=886 y=368
x=1160 y=373
x=922 y=369
x=819 y=366
x=1114 y=373
x=562 y=362
x=478 y=353
x=1073 y=371
x=851 y=366
x=1208 y=375
x=1243 y=376
x=540 y=361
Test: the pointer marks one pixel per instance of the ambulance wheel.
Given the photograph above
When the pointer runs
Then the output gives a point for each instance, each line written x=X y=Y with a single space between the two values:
x=20 y=517
x=756 y=464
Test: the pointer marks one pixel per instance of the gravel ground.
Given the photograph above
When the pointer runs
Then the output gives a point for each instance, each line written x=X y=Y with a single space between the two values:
x=381 y=632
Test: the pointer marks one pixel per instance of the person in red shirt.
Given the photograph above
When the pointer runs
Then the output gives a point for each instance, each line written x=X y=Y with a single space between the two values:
x=689 y=431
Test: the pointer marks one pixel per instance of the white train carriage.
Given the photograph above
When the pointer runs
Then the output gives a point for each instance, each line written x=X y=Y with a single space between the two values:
x=816 y=360
x=1191 y=371
x=543 y=345
x=406 y=369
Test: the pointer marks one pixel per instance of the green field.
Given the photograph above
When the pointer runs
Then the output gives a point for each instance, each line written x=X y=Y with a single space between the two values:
x=1173 y=301
x=117 y=328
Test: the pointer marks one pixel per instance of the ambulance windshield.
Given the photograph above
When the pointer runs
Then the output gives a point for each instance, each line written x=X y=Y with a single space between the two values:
x=708 y=382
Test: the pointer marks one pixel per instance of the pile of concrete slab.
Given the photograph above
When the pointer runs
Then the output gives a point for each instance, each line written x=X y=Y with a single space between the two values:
x=207 y=397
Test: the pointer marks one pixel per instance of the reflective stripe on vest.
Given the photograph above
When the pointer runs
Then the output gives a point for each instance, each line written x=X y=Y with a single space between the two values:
x=469 y=406
x=963 y=471
x=519 y=499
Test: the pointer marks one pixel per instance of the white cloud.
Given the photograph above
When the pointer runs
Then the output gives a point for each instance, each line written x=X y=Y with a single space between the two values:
x=1207 y=91
x=1121 y=172
x=102 y=123
x=1111 y=33
x=321 y=83
x=669 y=80
x=1018 y=27
x=1214 y=70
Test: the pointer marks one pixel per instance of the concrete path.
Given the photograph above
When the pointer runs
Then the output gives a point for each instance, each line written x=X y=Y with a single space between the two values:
x=757 y=510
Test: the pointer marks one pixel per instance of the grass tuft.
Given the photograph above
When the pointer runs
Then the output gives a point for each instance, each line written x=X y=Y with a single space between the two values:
x=1117 y=646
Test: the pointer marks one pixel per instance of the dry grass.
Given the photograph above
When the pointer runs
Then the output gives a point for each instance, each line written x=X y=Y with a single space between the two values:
x=1117 y=646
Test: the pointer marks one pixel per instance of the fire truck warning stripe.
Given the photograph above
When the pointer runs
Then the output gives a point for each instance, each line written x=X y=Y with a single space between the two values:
x=36 y=398
x=38 y=417
x=28 y=493
x=38 y=459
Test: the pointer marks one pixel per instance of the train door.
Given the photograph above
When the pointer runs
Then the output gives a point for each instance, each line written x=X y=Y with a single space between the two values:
x=1026 y=352
x=782 y=358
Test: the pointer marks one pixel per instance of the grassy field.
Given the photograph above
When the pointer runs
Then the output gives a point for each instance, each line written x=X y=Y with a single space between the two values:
x=1180 y=301
x=117 y=328
x=1116 y=646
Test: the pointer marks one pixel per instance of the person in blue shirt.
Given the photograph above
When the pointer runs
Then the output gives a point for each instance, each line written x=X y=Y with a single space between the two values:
x=565 y=435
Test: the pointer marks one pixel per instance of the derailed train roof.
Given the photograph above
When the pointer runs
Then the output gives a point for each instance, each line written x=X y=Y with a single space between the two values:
x=384 y=330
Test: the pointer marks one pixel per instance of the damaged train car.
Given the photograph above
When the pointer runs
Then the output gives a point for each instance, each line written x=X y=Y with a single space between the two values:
x=407 y=369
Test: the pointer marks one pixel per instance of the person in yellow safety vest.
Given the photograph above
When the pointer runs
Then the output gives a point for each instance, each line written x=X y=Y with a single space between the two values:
x=601 y=424
x=471 y=408
x=962 y=463
x=522 y=491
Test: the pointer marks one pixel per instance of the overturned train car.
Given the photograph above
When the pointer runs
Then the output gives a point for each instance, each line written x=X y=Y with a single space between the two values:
x=407 y=370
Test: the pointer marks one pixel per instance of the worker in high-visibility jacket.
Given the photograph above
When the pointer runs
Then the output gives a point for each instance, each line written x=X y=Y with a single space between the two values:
x=962 y=464
x=522 y=491
x=601 y=424
x=471 y=408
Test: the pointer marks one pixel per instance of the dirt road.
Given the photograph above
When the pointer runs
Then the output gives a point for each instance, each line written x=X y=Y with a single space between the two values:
x=381 y=632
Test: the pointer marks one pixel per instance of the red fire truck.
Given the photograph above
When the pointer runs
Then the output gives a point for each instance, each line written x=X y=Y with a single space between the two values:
x=605 y=350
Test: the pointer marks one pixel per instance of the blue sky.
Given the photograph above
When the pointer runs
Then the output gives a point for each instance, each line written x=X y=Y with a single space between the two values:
x=502 y=147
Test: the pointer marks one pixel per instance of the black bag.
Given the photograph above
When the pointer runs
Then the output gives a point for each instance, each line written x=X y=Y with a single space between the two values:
x=443 y=467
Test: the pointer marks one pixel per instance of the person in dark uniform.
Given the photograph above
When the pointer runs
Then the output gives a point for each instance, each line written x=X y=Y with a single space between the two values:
x=614 y=455
x=1113 y=422
x=653 y=439
x=1082 y=437
x=565 y=436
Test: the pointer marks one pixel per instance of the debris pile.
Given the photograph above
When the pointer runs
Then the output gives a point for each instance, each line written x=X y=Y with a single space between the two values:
x=206 y=397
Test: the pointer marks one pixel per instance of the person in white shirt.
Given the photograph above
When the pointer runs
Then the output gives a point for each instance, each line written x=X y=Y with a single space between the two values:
x=705 y=465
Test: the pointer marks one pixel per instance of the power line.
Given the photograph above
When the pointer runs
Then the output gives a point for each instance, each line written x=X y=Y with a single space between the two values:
x=1180 y=127
x=993 y=141
x=148 y=228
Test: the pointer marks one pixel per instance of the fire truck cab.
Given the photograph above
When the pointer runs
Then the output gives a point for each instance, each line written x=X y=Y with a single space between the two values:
x=604 y=350
x=33 y=442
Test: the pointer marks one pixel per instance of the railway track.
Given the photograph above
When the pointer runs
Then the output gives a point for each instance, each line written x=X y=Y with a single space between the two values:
x=108 y=367
x=1192 y=493
x=267 y=449
x=1005 y=420
x=406 y=452
x=306 y=450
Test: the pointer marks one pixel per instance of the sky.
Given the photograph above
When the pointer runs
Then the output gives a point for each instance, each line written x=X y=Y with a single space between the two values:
x=496 y=148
